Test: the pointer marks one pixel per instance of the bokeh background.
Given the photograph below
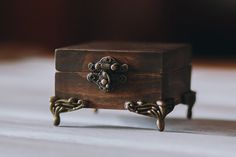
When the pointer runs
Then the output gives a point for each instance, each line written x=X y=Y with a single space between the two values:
x=39 y=26
x=30 y=30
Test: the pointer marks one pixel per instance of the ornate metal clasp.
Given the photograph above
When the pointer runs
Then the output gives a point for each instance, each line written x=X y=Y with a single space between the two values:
x=107 y=73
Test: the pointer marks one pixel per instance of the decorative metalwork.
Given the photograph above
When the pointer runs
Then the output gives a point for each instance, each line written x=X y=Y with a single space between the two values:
x=107 y=73
x=157 y=110
x=58 y=106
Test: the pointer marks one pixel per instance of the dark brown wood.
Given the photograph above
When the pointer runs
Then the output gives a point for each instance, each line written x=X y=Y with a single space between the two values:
x=146 y=87
x=176 y=83
x=141 y=57
x=156 y=72
x=145 y=78
x=138 y=87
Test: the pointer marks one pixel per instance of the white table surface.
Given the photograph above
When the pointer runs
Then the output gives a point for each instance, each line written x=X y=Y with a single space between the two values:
x=26 y=124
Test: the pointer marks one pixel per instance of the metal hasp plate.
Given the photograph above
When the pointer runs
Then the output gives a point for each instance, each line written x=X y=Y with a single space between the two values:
x=107 y=73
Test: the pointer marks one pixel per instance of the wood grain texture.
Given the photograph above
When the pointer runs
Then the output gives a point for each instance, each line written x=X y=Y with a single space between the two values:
x=139 y=86
x=156 y=72
x=146 y=87
x=140 y=58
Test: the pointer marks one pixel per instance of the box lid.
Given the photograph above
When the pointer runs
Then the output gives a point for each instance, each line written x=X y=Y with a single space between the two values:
x=140 y=57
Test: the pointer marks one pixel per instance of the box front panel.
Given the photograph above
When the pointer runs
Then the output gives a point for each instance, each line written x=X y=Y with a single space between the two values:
x=77 y=61
x=144 y=87
x=151 y=76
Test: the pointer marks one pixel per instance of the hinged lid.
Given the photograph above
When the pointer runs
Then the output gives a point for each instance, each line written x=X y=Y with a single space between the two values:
x=140 y=57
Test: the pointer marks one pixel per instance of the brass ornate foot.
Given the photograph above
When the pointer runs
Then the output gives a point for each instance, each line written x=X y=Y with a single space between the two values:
x=157 y=110
x=189 y=99
x=64 y=105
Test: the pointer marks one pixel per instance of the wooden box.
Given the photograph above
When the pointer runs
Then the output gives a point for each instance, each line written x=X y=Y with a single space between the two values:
x=145 y=78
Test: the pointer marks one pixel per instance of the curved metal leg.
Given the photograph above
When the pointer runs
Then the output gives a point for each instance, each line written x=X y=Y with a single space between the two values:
x=157 y=110
x=58 y=106
x=160 y=124
x=189 y=99
x=189 y=111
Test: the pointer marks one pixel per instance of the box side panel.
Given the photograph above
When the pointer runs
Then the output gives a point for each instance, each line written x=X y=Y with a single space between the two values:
x=176 y=83
x=177 y=59
x=144 y=87
x=77 y=61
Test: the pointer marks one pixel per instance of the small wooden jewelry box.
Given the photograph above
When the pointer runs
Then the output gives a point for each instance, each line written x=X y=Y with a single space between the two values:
x=145 y=78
